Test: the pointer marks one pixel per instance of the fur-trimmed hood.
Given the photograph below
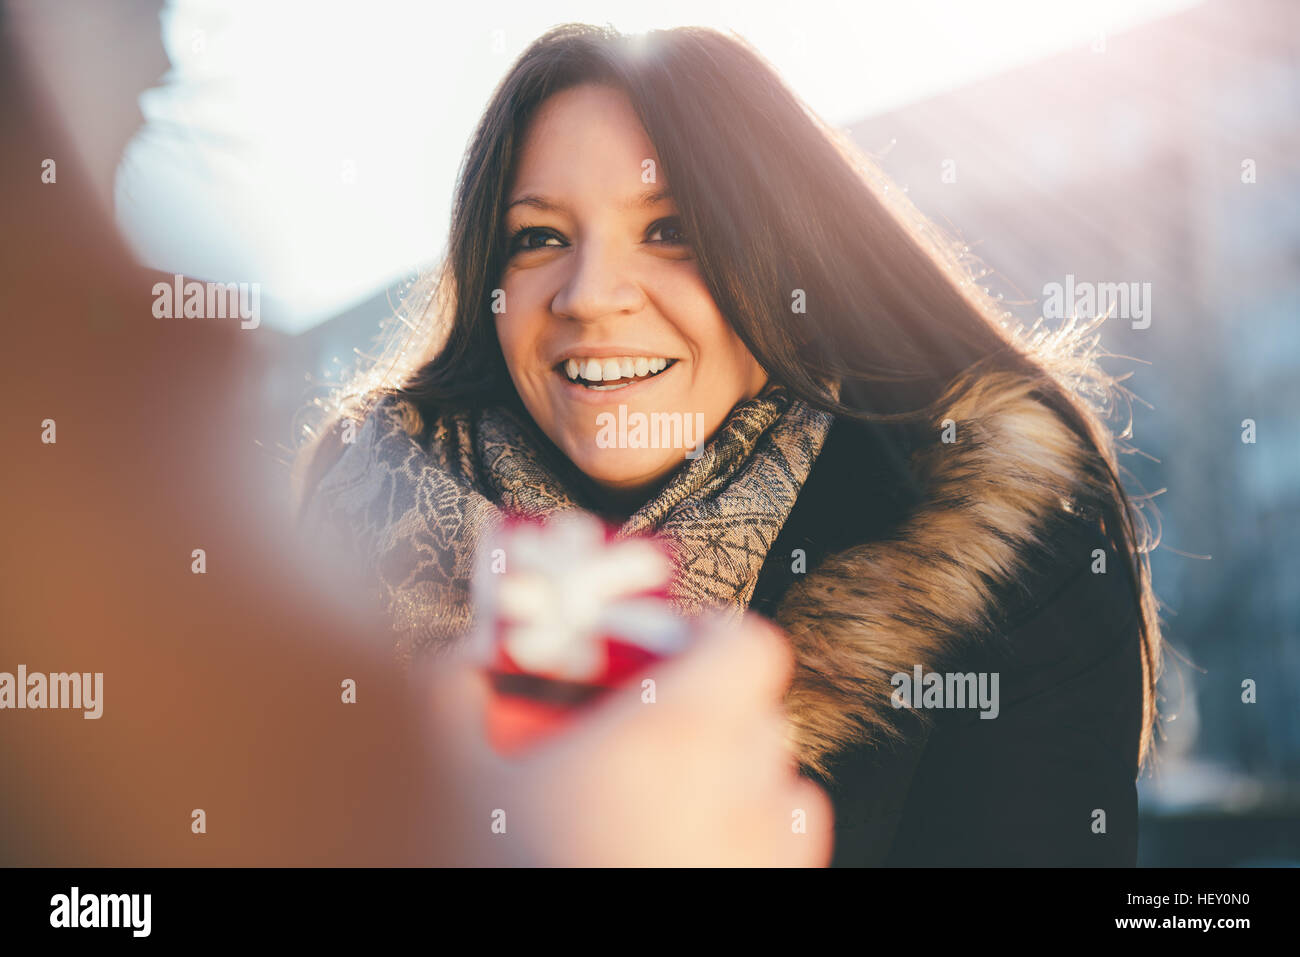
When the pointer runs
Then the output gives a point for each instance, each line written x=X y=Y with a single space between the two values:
x=1009 y=468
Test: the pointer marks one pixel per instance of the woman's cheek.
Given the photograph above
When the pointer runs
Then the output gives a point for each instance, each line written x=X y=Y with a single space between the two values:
x=518 y=333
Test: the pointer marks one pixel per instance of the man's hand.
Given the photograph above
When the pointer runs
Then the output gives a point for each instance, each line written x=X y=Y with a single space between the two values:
x=702 y=775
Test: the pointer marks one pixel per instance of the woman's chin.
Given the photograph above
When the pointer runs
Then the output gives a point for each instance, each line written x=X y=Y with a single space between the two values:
x=627 y=471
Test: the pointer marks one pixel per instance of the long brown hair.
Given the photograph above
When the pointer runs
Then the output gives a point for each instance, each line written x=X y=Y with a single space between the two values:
x=774 y=201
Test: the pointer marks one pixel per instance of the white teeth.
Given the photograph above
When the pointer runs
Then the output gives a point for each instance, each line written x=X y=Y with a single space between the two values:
x=606 y=370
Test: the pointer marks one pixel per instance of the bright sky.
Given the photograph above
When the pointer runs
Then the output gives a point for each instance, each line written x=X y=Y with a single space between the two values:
x=313 y=147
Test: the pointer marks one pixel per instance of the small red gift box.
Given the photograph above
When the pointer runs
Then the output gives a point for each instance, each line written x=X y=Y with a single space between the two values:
x=571 y=613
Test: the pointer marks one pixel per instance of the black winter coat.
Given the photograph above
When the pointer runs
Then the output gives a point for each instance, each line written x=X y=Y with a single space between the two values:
x=1029 y=787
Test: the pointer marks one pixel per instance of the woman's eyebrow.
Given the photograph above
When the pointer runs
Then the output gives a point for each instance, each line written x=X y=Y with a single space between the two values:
x=640 y=201
x=536 y=202
x=649 y=198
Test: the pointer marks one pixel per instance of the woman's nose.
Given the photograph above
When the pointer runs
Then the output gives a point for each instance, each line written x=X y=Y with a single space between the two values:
x=599 y=285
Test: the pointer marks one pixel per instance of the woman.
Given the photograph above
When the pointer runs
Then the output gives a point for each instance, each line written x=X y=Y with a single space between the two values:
x=655 y=230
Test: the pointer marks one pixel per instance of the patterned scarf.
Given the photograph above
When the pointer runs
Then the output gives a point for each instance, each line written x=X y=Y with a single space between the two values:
x=414 y=512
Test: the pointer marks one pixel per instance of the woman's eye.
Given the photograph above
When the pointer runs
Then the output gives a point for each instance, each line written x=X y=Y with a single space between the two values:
x=668 y=231
x=533 y=237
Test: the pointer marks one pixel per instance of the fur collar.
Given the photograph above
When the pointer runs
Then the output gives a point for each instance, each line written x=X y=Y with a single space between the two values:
x=882 y=607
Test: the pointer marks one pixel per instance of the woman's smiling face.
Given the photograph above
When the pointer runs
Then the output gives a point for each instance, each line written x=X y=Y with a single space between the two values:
x=604 y=303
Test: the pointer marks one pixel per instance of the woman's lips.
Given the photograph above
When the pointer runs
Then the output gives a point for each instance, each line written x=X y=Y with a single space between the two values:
x=604 y=391
x=615 y=368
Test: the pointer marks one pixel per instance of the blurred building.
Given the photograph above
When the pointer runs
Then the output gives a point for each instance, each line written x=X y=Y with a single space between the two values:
x=1169 y=155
